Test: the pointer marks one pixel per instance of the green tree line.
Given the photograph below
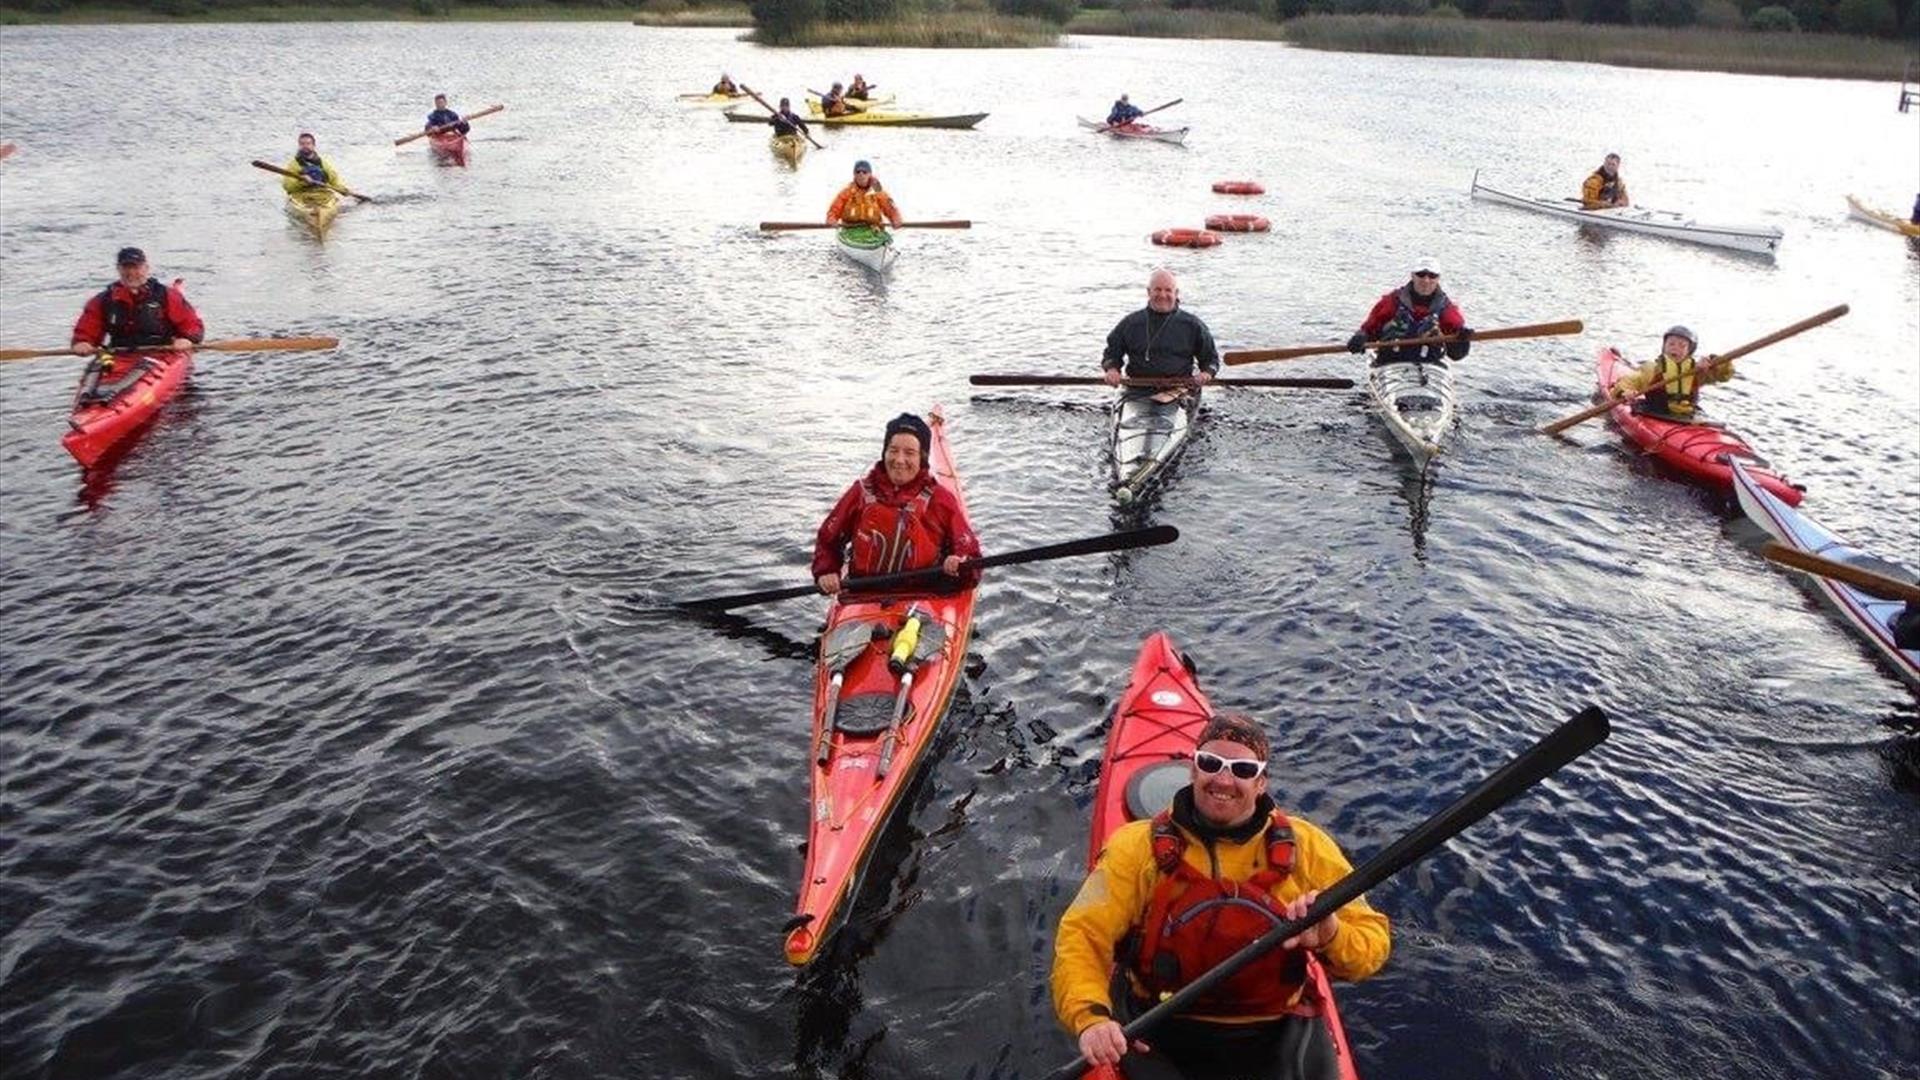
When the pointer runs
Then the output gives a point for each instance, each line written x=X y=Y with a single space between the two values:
x=206 y=7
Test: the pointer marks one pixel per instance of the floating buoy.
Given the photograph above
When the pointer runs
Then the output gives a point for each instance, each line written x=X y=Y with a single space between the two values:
x=1239 y=223
x=1237 y=187
x=1193 y=238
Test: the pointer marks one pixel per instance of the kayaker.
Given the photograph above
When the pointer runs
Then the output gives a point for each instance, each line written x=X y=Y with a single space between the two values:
x=859 y=87
x=310 y=165
x=834 y=103
x=786 y=121
x=896 y=517
x=1420 y=308
x=1161 y=340
x=1123 y=112
x=1674 y=376
x=862 y=202
x=441 y=116
x=726 y=86
x=1915 y=219
x=1198 y=869
x=136 y=311
x=1604 y=189
x=1906 y=623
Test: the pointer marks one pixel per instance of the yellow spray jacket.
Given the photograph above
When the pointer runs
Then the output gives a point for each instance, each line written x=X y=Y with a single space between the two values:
x=295 y=187
x=1680 y=382
x=863 y=206
x=1595 y=196
x=1114 y=899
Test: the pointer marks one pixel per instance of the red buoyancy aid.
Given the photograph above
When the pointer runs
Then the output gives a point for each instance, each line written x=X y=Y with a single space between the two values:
x=1194 y=922
x=888 y=539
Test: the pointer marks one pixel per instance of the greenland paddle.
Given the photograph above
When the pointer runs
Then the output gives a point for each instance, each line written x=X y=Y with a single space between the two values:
x=779 y=226
x=1142 y=116
x=1164 y=384
x=1545 y=329
x=1880 y=585
x=1713 y=363
x=341 y=188
x=268 y=344
x=770 y=109
x=1579 y=734
x=467 y=119
x=1125 y=540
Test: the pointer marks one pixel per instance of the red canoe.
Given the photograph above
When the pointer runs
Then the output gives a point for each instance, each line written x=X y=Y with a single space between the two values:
x=1700 y=451
x=1155 y=727
x=449 y=147
x=118 y=396
x=865 y=749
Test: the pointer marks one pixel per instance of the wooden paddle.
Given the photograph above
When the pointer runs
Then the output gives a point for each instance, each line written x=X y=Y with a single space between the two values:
x=776 y=112
x=341 y=188
x=776 y=226
x=1164 y=383
x=1579 y=734
x=1125 y=540
x=264 y=344
x=1880 y=585
x=1712 y=363
x=469 y=118
x=1545 y=329
x=1142 y=116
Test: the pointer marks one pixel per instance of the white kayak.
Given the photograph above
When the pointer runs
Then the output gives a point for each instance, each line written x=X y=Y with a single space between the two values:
x=1415 y=401
x=870 y=247
x=1752 y=239
x=1870 y=616
x=1146 y=437
x=1137 y=131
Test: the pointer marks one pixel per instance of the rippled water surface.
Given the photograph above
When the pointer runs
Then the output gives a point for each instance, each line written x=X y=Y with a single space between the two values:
x=340 y=736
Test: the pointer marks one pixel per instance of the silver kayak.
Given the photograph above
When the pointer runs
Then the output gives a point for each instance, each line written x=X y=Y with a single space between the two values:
x=1752 y=239
x=1147 y=437
x=1415 y=401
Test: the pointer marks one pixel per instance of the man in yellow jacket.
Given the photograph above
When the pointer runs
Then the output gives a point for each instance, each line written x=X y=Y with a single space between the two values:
x=1674 y=376
x=1171 y=897
x=314 y=170
x=1603 y=189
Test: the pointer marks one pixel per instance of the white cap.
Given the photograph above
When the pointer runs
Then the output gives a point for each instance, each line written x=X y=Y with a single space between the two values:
x=1431 y=266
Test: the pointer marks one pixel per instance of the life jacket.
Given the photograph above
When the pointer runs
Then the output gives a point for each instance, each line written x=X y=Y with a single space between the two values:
x=786 y=123
x=144 y=322
x=1193 y=922
x=1609 y=190
x=314 y=170
x=1405 y=324
x=863 y=205
x=888 y=539
x=1675 y=391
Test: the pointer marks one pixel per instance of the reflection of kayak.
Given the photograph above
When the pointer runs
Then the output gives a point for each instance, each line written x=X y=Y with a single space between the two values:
x=1862 y=212
x=449 y=146
x=1752 y=239
x=789 y=148
x=870 y=247
x=1415 y=401
x=1137 y=131
x=1145 y=438
x=891 y=119
x=711 y=99
x=866 y=750
x=1870 y=616
x=315 y=208
x=1153 y=736
x=1699 y=451
x=118 y=396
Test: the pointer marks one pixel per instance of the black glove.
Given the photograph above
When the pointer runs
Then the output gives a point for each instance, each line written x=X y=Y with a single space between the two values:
x=1457 y=350
x=1357 y=343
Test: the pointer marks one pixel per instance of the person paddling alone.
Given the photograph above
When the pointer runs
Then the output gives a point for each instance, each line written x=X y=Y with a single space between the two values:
x=314 y=170
x=136 y=312
x=443 y=117
x=1124 y=112
x=895 y=518
x=1674 y=377
x=1161 y=341
x=862 y=202
x=725 y=87
x=1418 y=309
x=785 y=121
x=1171 y=897
x=1604 y=189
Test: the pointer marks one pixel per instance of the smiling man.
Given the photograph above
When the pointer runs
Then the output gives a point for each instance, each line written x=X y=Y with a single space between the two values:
x=1172 y=897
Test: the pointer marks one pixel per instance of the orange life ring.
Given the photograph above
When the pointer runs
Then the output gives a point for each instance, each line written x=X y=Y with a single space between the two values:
x=1239 y=223
x=1237 y=187
x=1193 y=238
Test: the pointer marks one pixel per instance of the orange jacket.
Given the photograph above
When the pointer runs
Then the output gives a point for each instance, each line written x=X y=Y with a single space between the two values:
x=863 y=206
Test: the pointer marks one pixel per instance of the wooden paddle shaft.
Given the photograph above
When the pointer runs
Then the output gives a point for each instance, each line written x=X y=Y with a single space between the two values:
x=1546 y=329
x=1887 y=588
x=341 y=188
x=235 y=345
x=775 y=112
x=488 y=111
x=783 y=226
x=1159 y=383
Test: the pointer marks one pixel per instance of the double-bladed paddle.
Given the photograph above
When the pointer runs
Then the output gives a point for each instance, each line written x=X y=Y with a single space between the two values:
x=1579 y=734
x=467 y=119
x=1545 y=329
x=1880 y=585
x=1712 y=363
x=778 y=226
x=341 y=188
x=1142 y=116
x=1163 y=384
x=776 y=112
x=1115 y=541
x=267 y=344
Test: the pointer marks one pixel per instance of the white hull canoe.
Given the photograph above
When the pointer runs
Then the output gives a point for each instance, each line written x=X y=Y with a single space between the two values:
x=1175 y=136
x=1147 y=436
x=1860 y=211
x=1415 y=401
x=1751 y=239
x=858 y=244
x=1869 y=616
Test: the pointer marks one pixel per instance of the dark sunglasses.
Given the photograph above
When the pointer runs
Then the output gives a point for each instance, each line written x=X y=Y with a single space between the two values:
x=1425 y=274
x=1242 y=768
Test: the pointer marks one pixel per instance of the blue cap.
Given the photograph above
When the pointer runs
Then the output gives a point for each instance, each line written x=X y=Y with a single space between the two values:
x=862 y=166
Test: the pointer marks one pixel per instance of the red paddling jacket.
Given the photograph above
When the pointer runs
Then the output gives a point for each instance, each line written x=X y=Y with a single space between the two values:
x=121 y=318
x=890 y=528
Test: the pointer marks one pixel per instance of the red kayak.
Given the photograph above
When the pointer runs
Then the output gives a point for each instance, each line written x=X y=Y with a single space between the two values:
x=119 y=394
x=1155 y=728
x=1702 y=452
x=880 y=691
x=449 y=147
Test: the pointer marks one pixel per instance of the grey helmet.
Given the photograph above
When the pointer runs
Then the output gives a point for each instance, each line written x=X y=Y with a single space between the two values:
x=1681 y=332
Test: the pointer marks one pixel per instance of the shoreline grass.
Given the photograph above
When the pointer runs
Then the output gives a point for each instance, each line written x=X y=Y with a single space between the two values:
x=16 y=16
x=678 y=13
x=927 y=30
x=1166 y=23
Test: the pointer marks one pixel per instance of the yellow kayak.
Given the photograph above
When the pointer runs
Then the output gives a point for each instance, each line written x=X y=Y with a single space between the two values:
x=1857 y=209
x=315 y=209
x=874 y=119
x=854 y=103
x=789 y=148
x=713 y=99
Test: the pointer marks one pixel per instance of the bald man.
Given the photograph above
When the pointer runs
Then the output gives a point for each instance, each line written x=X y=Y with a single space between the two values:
x=1161 y=340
